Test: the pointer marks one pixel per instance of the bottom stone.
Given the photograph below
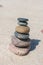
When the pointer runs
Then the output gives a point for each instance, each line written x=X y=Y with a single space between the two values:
x=19 y=51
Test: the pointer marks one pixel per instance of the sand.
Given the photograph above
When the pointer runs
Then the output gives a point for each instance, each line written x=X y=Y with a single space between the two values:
x=10 y=10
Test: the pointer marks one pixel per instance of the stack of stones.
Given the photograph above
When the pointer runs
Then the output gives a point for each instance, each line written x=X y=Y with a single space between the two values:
x=20 y=41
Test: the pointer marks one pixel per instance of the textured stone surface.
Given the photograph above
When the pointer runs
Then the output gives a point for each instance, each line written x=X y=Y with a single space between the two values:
x=22 y=23
x=22 y=29
x=22 y=19
x=21 y=36
x=19 y=51
x=20 y=43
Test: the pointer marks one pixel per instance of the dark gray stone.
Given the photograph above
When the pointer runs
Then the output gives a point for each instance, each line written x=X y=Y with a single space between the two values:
x=21 y=35
x=22 y=19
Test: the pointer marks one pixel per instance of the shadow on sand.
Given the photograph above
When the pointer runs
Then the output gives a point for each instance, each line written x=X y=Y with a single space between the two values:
x=1 y=5
x=34 y=43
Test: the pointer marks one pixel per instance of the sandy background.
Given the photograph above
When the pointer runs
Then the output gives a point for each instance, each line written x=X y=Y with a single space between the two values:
x=9 y=12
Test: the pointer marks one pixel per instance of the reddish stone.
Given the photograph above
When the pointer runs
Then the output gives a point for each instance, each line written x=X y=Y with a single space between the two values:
x=19 y=51
x=41 y=31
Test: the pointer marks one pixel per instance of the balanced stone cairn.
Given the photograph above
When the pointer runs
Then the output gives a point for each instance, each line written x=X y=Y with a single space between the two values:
x=20 y=41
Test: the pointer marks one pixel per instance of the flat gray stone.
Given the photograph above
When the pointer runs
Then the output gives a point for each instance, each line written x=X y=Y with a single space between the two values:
x=22 y=23
x=21 y=36
x=22 y=19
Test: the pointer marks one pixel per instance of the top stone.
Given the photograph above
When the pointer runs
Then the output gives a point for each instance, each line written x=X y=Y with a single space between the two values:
x=22 y=19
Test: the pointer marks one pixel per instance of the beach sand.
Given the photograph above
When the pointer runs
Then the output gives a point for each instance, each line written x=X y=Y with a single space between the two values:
x=10 y=10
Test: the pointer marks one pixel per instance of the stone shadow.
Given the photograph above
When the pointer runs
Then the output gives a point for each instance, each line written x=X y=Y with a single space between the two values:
x=34 y=43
